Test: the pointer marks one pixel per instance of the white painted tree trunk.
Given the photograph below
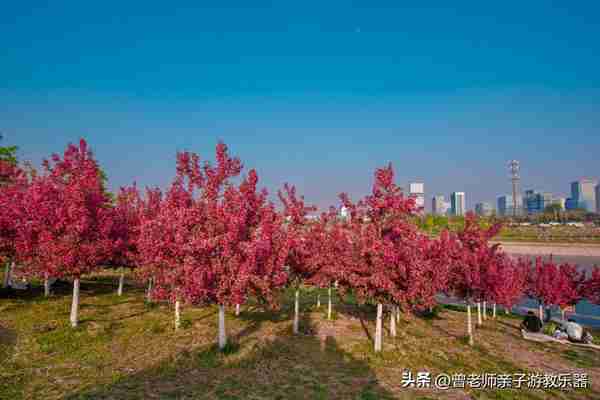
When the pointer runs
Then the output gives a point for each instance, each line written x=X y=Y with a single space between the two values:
x=398 y=314
x=222 y=334
x=297 y=312
x=393 y=322
x=75 y=304
x=379 y=328
x=6 y=275
x=494 y=310
x=149 y=294
x=237 y=310
x=484 y=310
x=562 y=313
x=541 y=312
x=469 y=325
x=329 y=305
x=121 y=281
x=479 y=322
x=177 y=314
x=318 y=300
x=46 y=286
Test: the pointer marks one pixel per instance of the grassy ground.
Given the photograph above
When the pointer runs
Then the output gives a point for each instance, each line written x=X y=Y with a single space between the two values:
x=559 y=234
x=126 y=349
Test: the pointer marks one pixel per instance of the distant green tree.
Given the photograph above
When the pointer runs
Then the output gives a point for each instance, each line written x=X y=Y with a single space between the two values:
x=8 y=153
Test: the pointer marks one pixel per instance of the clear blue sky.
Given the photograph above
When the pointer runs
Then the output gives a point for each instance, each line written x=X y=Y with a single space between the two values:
x=314 y=93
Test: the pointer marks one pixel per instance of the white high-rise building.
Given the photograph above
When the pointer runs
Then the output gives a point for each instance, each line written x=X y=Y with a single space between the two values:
x=438 y=205
x=344 y=212
x=458 y=203
x=416 y=190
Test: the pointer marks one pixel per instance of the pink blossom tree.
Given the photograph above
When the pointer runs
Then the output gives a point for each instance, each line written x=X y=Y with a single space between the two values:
x=302 y=240
x=591 y=287
x=506 y=281
x=13 y=184
x=212 y=242
x=388 y=262
x=471 y=260
x=124 y=231
x=551 y=284
x=66 y=220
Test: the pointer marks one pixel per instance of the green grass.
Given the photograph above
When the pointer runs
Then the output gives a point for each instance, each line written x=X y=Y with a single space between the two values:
x=127 y=349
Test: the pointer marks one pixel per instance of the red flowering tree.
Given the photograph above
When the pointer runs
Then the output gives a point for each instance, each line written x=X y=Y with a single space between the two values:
x=303 y=241
x=13 y=184
x=124 y=231
x=212 y=242
x=472 y=259
x=66 y=220
x=389 y=262
x=591 y=287
x=329 y=255
x=506 y=281
x=572 y=286
x=149 y=207
x=555 y=285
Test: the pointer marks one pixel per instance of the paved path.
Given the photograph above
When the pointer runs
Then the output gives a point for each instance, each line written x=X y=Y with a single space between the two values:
x=557 y=249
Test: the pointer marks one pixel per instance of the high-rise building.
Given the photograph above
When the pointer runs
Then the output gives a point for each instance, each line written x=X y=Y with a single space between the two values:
x=506 y=205
x=484 y=209
x=416 y=190
x=583 y=194
x=344 y=213
x=458 y=204
x=438 y=205
x=536 y=202
x=570 y=204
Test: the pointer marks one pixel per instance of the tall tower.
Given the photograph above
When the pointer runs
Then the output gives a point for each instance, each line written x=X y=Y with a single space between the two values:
x=513 y=167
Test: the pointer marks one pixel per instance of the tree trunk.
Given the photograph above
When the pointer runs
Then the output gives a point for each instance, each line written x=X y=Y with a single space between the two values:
x=121 y=281
x=562 y=313
x=46 y=286
x=237 y=310
x=393 y=322
x=479 y=322
x=222 y=335
x=297 y=312
x=379 y=328
x=75 y=303
x=398 y=314
x=484 y=310
x=177 y=314
x=318 y=300
x=6 y=275
x=329 y=306
x=469 y=325
x=494 y=310
x=541 y=308
x=149 y=291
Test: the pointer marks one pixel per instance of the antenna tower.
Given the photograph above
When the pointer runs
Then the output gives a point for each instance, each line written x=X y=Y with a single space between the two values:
x=514 y=167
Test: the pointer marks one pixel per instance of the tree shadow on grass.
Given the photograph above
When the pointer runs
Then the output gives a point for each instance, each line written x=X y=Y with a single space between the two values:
x=282 y=367
x=89 y=287
x=11 y=383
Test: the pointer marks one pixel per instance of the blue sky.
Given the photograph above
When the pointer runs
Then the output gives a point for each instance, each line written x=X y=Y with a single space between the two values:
x=314 y=93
